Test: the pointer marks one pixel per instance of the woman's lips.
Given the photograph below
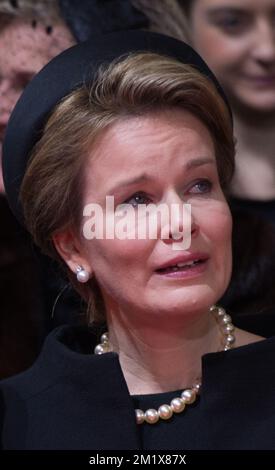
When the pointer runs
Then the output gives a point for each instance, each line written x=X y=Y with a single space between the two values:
x=261 y=81
x=185 y=272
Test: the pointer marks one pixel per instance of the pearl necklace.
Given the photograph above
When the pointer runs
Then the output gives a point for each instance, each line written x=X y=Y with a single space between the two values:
x=178 y=404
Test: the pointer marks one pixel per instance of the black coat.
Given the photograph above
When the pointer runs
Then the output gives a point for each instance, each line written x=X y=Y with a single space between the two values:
x=72 y=399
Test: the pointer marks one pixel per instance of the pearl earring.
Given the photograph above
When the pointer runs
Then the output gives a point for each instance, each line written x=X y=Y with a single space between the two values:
x=81 y=274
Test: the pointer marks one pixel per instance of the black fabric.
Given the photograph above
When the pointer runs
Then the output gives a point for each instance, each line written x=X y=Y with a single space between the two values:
x=64 y=73
x=263 y=209
x=251 y=288
x=88 y=17
x=262 y=324
x=22 y=330
x=72 y=399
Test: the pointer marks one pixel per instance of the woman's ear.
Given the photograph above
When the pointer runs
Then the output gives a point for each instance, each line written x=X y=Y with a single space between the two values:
x=69 y=248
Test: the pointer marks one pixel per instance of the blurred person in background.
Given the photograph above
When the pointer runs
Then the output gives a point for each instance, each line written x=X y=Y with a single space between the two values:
x=237 y=40
x=31 y=33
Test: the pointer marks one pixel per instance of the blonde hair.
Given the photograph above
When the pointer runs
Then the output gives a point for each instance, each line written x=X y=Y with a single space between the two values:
x=165 y=17
x=134 y=85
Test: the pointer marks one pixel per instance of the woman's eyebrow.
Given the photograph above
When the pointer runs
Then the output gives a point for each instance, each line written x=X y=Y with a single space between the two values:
x=195 y=162
x=216 y=11
x=144 y=177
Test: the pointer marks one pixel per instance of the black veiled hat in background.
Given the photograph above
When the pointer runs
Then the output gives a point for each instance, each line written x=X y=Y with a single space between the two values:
x=63 y=74
x=89 y=17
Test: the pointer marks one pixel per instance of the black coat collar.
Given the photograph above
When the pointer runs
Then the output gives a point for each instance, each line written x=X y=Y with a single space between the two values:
x=72 y=399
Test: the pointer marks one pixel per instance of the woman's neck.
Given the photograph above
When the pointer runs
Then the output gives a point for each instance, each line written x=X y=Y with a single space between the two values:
x=255 y=158
x=161 y=357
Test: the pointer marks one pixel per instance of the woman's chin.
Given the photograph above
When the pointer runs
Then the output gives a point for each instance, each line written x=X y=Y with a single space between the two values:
x=196 y=299
x=257 y=102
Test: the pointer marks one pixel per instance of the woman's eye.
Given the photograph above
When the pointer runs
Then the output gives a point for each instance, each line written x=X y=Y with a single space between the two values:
x=232 y=24
x=137 y=199
x=201 y=187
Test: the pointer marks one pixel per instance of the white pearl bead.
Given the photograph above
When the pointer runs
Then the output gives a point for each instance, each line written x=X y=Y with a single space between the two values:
x=100 y=349
x=151 y=416
x=82 y=276
x=227 y=329
x=230 y=339
x=221 y=312
x=226 y=319
x=189 y=396
x=177 y=405
x=165 y=411
x=197 y=386
x=140 y=417
x=104 y=338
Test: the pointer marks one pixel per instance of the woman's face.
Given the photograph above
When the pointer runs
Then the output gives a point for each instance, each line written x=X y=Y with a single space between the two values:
x=174 y=153
x=237 y=40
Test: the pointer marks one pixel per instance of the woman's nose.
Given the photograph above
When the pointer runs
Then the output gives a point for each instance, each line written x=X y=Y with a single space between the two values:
x=264 y=43
x=181 y=227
